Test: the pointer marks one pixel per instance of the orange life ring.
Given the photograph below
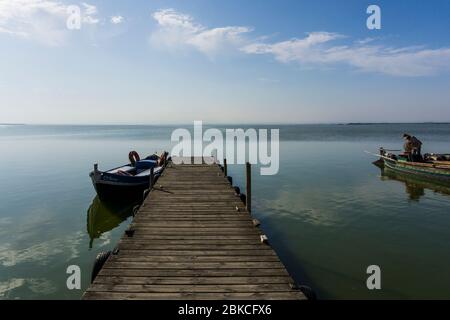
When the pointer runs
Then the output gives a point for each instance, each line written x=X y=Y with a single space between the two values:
x=133 y=156
x=162 y=159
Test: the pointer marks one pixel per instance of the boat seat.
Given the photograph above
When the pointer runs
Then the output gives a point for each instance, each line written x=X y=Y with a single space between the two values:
x=124 y=168
x=143 y=173
x=147 y=172
x=145 y=164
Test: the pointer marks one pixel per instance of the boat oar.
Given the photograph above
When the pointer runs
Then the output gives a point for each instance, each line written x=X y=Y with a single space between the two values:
x=377 y=155
x=373 y=154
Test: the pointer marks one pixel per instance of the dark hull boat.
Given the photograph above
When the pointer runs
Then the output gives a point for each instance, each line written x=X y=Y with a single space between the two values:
x=128 y=182
x=434 y=168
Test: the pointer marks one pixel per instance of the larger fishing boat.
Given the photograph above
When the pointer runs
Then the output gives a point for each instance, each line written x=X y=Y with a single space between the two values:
x=434 y=167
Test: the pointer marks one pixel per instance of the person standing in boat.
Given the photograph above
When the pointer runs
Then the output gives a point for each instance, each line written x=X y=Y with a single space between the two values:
x=413 y=148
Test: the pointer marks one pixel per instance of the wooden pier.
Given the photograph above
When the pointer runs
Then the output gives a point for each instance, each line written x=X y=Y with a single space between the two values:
x=193 y=238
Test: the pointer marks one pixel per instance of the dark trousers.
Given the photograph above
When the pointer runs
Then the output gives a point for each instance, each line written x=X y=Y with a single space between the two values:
x=415 y=156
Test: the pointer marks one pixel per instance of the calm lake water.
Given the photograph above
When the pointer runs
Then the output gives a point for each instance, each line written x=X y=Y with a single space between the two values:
x=329 y=212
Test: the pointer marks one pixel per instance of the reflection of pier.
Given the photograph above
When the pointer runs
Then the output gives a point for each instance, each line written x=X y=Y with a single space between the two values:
x=103 y=217
x=193 y=238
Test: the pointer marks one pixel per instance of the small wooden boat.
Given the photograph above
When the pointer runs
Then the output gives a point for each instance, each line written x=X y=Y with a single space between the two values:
x=434 y=167
x=127 y=182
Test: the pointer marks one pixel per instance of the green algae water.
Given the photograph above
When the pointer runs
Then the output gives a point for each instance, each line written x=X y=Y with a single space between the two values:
x=329 y=212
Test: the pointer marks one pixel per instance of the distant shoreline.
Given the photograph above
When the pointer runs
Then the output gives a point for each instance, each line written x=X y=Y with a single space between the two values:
x=377 y=123
x=224 y=124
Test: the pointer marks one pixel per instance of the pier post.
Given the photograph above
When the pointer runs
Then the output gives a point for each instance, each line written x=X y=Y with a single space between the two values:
x=225 y=171
x=248 y=186
x=152 y=178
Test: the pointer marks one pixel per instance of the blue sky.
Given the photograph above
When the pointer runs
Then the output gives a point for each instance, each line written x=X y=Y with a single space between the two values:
x=158 y=62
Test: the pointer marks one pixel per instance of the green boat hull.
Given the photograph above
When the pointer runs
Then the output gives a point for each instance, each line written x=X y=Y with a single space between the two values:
x=428 y=173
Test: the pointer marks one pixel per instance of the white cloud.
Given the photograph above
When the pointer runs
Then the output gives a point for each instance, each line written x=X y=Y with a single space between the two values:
x=42 y=252
x=90 y=20
x=90 y=14
x=41 y=20
x=40 y=286
x=315 y=50
x=177 y=30
x=33 y=18
x=116 y=19
x=8 y=285
x=306 y=49
x=89 y=9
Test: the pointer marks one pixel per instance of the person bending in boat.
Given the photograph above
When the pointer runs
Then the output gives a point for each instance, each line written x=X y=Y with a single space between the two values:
x=413 y=147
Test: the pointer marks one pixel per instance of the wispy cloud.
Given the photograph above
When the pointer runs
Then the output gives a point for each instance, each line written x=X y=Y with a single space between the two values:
x=305 y=49
x=41 y=20
x=89 y=9
x=90 y=14
x=176 y=30
x=315 y=50
x=116 y=19
x=40 y=286
x=33 y=18
x=41 y=253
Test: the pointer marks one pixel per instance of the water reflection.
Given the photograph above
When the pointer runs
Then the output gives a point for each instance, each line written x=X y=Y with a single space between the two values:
x=414 y=187
x=104 y=216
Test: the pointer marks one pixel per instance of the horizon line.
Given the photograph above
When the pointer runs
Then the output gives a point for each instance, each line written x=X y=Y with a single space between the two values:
x=220 y=123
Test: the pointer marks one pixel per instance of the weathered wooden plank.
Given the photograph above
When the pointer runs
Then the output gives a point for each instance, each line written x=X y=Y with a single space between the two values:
x=288 y=295
x=189 y=208
x=189 y=280
x=128 y=272
x=210 y=247
x=194 y=259
x=142 y=235
x=149 y=252
x=197 y=203
x=137 y=239
x=247 y=288
x=190 y=218
x=199 y=231
x=205 y=207
x=226 y=199
x=192 y=224
x=187 y=233
x=195 y=192
x=194 y=265
x=192 y=213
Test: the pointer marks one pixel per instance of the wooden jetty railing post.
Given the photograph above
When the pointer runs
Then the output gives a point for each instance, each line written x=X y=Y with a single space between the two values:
x=225 y=171
x=248 y=186
x=152 y=178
